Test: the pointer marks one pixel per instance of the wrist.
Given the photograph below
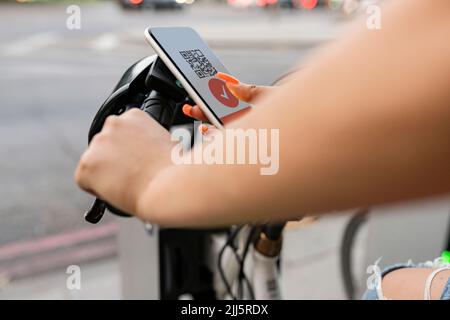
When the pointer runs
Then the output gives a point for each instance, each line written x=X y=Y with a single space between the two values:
x=149 y=200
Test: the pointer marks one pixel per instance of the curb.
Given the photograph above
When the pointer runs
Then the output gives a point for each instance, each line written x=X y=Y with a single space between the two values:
x=27 y=258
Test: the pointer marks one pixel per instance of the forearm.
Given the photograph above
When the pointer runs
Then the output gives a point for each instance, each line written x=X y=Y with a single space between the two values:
x=367 y=122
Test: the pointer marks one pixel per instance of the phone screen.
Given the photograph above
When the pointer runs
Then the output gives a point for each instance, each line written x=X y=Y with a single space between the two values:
x=198 y=64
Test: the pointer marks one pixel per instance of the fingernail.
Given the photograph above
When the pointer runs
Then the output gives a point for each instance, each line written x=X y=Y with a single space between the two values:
x=187 y=109
x=203 y=128
x=227 y=78
x=231 y=85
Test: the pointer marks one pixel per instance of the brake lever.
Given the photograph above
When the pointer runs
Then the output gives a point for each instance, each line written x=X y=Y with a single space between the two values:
x=96 y=212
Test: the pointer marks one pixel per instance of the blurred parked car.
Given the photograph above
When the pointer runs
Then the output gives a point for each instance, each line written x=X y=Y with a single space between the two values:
x=290 y=4
x=154 y=4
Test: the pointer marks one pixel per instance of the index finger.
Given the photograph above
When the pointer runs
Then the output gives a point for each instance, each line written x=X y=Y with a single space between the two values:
x=194 y=112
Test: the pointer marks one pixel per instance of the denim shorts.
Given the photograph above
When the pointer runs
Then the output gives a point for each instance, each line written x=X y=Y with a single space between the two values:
x=374 y=294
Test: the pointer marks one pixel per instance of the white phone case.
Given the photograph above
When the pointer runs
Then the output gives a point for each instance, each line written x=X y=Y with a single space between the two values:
x=171 y=66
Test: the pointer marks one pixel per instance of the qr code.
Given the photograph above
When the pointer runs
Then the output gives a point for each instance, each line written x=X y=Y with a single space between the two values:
x=199 y=63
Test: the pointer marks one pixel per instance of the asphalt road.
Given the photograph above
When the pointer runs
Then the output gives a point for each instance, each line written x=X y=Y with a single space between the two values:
x=53 y=80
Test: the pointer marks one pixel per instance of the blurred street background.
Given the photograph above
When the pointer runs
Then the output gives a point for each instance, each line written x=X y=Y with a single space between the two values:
x=52 y=82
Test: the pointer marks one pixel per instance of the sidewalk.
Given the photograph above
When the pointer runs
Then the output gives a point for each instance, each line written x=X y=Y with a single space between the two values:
x=99 y=280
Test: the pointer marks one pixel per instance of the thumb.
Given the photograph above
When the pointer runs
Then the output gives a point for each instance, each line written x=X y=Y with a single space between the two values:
x=242 y=91
x=245 y=92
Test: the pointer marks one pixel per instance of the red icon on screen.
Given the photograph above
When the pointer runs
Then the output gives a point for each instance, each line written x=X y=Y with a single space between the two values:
x=222 y=93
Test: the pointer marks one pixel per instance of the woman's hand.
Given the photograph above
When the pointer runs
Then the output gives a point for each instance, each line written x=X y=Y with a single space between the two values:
x=242 y=91
x=123 y=158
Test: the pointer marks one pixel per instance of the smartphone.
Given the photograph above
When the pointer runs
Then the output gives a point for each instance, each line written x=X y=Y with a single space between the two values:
x=194 y=64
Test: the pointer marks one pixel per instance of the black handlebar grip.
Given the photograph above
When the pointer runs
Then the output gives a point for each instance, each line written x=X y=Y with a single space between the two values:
x=159 y=108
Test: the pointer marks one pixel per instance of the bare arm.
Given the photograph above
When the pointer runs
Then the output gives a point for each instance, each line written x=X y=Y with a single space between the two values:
x=367 y=122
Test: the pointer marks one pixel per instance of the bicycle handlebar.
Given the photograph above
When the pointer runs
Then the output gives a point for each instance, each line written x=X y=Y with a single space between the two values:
x=151 y=87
